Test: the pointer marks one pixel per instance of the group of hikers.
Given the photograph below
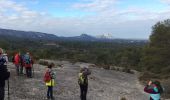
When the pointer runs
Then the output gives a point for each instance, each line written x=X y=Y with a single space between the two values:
x=25 y=61
x=22 y=61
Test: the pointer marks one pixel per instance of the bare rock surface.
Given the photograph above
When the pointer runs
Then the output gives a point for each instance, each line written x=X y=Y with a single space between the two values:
x=103 y=84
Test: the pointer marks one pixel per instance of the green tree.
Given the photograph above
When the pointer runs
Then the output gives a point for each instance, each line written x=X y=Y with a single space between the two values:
x=156 y=56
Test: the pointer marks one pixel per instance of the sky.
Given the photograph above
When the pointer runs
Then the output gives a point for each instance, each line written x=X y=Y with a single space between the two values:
x=121 y=18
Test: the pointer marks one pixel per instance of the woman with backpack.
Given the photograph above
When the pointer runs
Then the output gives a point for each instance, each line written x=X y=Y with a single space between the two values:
x=28 y=64
x=154 y=89
x=49 y=81
x=83 y=81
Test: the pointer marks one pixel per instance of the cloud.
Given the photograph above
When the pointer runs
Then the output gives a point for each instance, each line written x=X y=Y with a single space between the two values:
x=132 y=22
x=95 y=5
x=165 y=1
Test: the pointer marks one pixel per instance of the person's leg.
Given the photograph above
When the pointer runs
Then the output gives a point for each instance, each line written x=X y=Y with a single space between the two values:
x=27 y=71
x=81 y=92
x=21 y=69
x=48 y=92
x=17 y=69
x=51 y=92
x=2 y=93
x=30 y=72
x=85 y=91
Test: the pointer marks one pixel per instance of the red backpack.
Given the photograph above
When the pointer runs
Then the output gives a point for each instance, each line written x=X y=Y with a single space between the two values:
x=47 y=76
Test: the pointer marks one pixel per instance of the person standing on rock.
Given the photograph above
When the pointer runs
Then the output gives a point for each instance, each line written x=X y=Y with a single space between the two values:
x=49 y=81
x=83 y=81
x=17 y=62
x=4 y=74
x=28 y=64
x=154 y=89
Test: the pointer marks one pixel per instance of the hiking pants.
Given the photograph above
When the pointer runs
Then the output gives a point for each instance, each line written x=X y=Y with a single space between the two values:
x=83 y=91
x=21 y=69
x=17 y=68
x=29 y=72
x=2 y=93
x=50 y=92
x=152 y=99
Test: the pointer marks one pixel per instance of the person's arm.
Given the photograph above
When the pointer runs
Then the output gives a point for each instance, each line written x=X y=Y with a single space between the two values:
x=150 y=88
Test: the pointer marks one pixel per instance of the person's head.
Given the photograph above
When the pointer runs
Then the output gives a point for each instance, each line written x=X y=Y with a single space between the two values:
x=81 y=70
x=1 y=51
x=28 y=53
x=51 y=65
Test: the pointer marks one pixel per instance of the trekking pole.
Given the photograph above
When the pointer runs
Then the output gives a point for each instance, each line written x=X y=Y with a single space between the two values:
x=8 y=91
x=33 y=70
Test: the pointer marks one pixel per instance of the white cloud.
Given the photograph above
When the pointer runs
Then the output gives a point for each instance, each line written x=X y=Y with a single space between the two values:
x=95 y=5
x=129 y=22
x=165 y=1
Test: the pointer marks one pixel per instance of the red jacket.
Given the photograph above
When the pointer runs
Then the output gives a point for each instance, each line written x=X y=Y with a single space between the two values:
x=17 y=59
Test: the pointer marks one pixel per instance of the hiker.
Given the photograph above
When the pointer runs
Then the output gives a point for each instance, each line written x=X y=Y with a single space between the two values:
x=83 y=81
x=21 y=64
x=28 y=64
x=49 y=81
x=154 y=89
x=17 y=62
x=4 y=74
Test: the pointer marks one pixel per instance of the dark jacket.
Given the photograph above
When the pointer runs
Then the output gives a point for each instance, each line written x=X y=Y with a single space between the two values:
x=4 y=74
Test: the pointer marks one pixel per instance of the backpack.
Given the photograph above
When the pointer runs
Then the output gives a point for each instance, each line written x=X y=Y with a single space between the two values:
x=27 y=59
x=82 y=80
x=2 y=60
x=47 y=76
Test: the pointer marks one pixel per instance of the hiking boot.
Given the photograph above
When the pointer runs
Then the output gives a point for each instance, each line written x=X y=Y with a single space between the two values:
x=48 y=98
x=52 y=98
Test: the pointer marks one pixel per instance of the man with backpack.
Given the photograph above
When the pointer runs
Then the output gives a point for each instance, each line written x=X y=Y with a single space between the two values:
x=28 y=64
x=49 y=81
x=4 y=74
x=83 y=81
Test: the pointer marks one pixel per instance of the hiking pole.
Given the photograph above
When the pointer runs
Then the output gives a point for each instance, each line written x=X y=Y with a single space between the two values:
x=33 y=70
x=8 y=90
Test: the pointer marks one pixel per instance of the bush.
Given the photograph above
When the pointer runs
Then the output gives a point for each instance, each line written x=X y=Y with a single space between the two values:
x=145 y=76
x=127 y=70
x=166 y=86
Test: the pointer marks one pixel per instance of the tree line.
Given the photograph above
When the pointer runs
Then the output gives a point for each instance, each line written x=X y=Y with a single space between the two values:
x=152 y=56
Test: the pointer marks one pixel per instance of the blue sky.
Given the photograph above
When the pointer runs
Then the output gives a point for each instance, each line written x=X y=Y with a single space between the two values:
x=121 y=18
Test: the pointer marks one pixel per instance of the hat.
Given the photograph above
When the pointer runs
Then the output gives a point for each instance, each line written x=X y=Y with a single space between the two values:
x=84 y=66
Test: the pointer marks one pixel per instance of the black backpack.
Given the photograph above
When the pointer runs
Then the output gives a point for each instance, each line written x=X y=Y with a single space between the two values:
x=2 y=60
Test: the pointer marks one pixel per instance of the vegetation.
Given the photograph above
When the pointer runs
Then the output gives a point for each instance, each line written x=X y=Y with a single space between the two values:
x=156 y=56
x=152 y=58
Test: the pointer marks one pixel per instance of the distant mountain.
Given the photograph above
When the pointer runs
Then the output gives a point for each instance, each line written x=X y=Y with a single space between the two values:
x=27 y=34
x=82 y=37
x=44 y=36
